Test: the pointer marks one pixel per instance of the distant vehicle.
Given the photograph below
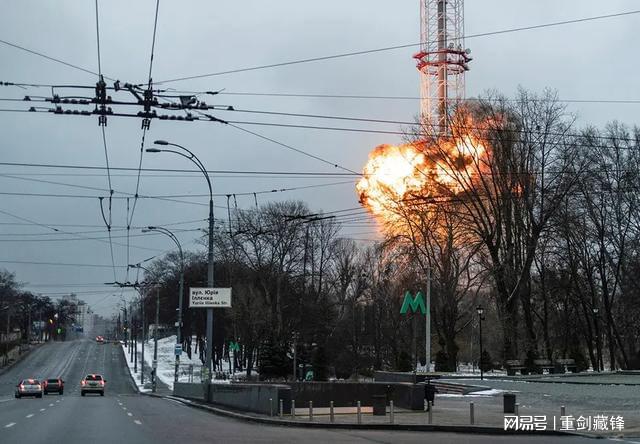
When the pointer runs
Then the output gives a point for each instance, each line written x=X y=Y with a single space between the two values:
x=92 y=384
x=29 y=387
x=99 y=339
x=53 y=386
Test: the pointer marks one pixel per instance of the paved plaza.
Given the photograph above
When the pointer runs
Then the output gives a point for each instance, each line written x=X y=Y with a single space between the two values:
x=584 y=398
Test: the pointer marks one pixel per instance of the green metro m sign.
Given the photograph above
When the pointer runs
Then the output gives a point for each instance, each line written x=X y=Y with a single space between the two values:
x=413 y=303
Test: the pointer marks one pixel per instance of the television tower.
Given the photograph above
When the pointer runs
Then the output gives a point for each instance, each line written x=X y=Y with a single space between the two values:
x=442 y=61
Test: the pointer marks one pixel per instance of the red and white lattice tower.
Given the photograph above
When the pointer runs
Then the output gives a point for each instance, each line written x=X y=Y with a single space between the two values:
x=442 y=60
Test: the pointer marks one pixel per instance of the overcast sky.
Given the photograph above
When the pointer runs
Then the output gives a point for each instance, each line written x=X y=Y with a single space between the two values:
x=584 y=61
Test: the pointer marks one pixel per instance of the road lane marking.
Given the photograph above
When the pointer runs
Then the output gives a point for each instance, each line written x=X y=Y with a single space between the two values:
x=42 y=410
x=11 y=424
x=137 y=422
x=129 y=413
x=29 y=415
x=124 y=408
x=57 y=401
x=50 y=405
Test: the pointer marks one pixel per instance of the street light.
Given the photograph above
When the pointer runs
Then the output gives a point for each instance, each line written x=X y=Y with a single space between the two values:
x=596 y=310
x=181 y=291
x=154 y=367
x=480 y=311
x=193 y=158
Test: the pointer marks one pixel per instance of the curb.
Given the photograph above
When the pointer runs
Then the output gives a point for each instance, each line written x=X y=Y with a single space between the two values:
x=483 y=430
x=131 y=380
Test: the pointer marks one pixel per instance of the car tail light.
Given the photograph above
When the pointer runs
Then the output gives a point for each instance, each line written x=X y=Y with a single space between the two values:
x=21 y=387
x=101 y=382
x=83 y=382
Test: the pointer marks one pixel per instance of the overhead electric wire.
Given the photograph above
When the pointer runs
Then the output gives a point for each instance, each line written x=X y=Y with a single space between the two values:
x=53 y=59
x=313 y=156
x=145 y=127
x=60 y=264
x=32 y=222
x=104 y=144
x=179 y=170
x=116 y=227
x=175 y=196
x=395 y=47
x=378 y=97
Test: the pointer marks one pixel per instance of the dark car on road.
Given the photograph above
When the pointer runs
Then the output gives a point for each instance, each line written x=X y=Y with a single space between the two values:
x=92 y=383
x=29 y=387
x=53 y=386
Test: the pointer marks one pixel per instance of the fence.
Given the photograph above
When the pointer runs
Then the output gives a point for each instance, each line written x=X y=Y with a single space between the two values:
x=9 y=337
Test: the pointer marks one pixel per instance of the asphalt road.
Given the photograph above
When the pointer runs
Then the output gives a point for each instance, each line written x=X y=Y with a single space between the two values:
x=123 y=416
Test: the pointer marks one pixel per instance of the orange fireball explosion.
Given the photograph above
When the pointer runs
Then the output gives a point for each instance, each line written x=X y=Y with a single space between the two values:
x=396 y=173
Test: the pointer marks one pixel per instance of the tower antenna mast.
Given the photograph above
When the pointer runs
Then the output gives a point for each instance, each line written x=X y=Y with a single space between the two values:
x=442 y=61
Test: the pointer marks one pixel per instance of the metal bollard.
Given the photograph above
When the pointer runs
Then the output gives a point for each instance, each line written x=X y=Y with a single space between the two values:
x=430 y=413
x=471 y=413
x=516 y=409
x=281 y=408
x=332 y=418
x=270 y=406
x=563 y=411
x=359 y=413
x=391 y=412
x=293 y=408
x=310 y=410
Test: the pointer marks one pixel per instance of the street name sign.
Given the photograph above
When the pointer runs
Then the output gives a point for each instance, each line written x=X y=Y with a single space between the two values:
x=210 y=297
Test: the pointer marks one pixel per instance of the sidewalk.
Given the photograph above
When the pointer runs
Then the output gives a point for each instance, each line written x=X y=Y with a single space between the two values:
x=161 y=388
x=449 y=413
x=348 y=420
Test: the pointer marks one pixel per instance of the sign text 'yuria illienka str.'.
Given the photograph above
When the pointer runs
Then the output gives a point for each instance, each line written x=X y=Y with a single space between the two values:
x=210 y=297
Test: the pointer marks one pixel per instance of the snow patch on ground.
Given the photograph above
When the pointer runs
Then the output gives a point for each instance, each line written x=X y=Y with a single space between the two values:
x=134 y=374
x=166 y=363
x=481 y=393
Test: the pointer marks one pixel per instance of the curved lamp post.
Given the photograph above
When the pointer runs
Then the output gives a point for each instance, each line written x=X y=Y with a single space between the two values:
x=181 y=292
x=184 y=152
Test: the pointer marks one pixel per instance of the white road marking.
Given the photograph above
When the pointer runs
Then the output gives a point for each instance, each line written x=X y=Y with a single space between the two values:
x=124 y=408
x=42 y=410
x=50 y=405
x=29 y=415
x=57 y=401
x=5 y=400
x=137 y=422
x=129 y=413
x=11 y=424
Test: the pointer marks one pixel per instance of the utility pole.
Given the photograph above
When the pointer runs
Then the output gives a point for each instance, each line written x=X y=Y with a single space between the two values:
x=173 y=237
x=142 y=354
x=29 y=327
x=155 y=341
x=131 y=327
x=135 y=347
x=427 y=345
x=126 y=326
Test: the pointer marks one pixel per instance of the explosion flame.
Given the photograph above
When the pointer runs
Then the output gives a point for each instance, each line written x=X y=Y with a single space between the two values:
x=397 y=173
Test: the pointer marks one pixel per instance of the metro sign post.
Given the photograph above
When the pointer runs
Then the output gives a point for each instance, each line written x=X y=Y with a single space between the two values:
x=418 y=303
